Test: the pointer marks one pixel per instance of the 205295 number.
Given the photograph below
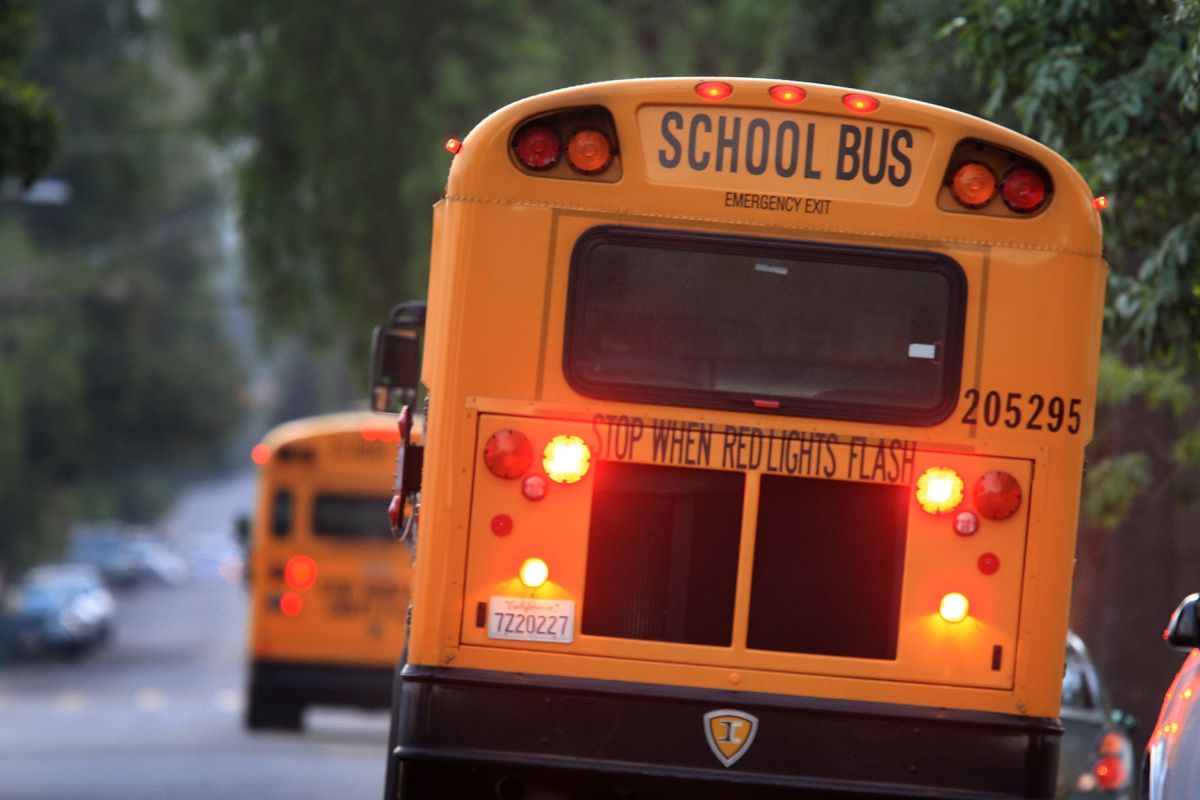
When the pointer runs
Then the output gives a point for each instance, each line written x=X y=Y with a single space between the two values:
x=1034 y=412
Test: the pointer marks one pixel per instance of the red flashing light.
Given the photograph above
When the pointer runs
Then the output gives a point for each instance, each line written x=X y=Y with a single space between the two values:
x=1023 y=190
x=453 y=146
x=996 y=494
x=714 y=90
x=291 y=604
x=787 y=95
x=1100 y=203
x=508 y=453
x=260 y=454
x=538 y=147
x=860 y=103
x=300 y=573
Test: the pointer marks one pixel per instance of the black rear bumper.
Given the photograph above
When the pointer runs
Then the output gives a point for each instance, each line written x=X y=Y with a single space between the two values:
x=465 y=733
x=302 y=684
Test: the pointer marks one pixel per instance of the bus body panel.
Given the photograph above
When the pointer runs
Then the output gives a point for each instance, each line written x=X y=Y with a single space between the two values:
x=506 y=243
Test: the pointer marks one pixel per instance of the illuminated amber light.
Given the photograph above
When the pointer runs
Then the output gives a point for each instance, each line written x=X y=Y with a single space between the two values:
x=534 y=572
x=954 y=607
x=566 y=459
x=973 y=184
x=300 y=573
x=939 y=490
x=589 y=151
x=1187 y=694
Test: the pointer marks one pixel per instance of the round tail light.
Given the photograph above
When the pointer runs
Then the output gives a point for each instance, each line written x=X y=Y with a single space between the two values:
x=300 y=573
x=1024 y=190
x=973 y=185
x=996 y=495
x=538 y=147
x=508 y=453
x=589 y=151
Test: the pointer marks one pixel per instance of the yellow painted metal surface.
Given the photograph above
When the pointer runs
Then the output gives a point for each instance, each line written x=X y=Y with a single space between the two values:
x=353 y=614
x=500 y=271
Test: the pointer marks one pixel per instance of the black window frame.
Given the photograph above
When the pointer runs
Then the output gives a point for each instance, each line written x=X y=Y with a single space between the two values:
x=769 y=248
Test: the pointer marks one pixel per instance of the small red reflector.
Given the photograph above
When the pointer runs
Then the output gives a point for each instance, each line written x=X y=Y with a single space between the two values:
x=538 y=147
x=973 y=185
x=291 y=604
x=508 y=453
x=502 y=524
x=989 y=563
x=1023 y=190
x=453 y=145
x=861 y=103
x=260 y=454
x=996 y=494
x=395 y=510
x=589 y=151
x=714 y=90
x=770 y=404
x=1100 y=203
x=300 y=573
x=787 y=95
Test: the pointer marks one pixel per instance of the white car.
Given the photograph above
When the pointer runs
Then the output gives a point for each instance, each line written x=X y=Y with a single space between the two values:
x=1171 y=768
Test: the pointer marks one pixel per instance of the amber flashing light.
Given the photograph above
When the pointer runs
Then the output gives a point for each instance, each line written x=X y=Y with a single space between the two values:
x=939 y=490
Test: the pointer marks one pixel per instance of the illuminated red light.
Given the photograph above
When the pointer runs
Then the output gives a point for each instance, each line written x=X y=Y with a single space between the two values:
x=787 y=95
x=291 y=604
x=973 y=185
x=860 y=103
x=300 y=573
x=1100 y=203
x=714 y=90
x=260 y=454
x=453 y=145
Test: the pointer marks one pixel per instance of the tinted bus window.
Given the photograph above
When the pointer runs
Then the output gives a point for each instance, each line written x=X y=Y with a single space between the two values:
x=348 y=517
x=850 y=333
x=281 y=513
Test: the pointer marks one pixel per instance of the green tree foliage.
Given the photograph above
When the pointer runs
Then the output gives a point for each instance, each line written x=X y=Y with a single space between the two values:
x=339 y=111
x=114 y=375
x=29 y=128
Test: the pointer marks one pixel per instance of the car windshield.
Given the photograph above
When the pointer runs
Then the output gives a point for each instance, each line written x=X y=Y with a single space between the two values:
x=47 y=597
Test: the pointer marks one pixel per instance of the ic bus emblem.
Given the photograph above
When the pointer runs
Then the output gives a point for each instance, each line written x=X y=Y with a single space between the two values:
x=730 y=733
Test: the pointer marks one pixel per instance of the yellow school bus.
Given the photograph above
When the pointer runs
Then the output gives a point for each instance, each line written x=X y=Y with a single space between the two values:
x=756 y=424
x=328 y=590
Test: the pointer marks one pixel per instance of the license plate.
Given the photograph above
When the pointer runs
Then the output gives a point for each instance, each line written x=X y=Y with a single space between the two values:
x=531 y=620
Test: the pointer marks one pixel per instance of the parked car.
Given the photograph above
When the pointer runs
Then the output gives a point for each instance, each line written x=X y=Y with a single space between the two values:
x=110 y=551
x=1171 y=766
x=63 y=609
x=1096 y=759
x=157 y=563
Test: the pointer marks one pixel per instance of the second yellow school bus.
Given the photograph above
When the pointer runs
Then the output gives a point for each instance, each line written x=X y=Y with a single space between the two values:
x=328 y=589
x=756 y=422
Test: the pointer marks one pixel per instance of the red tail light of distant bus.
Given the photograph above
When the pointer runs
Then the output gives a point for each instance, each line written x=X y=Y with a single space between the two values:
x=566 y=459
x=300 y=573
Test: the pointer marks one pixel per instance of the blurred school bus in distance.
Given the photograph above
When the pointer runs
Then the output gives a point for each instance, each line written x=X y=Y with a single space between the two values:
x=328 y=586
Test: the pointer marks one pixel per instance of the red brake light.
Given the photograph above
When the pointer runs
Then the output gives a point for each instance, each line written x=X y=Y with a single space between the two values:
x=1110 y=773
x=260 y=454
x=291 y=604
x=973 y=185
x=714 y=90
x=1023 y=190
x=997 y=495
x=862 y=103
x=589 y=151
x=538 y=147
x=787 y=95
x=508 y=453
x=300 y=573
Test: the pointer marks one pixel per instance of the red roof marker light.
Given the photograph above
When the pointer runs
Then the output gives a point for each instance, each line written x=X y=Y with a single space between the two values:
x=861 y=103
x=787 y=95
x=714 y=90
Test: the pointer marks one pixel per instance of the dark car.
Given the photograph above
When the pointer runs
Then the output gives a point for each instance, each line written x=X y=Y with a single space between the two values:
x=1171 y=767
x=63 y=609
x=110 y=551
x=1097 y=756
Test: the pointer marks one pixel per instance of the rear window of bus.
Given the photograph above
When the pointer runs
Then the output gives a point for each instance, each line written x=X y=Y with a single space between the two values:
x=351 y=517
x=773 y=325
